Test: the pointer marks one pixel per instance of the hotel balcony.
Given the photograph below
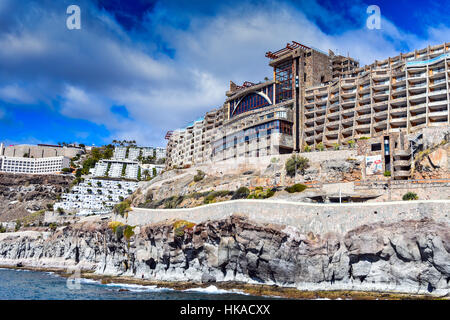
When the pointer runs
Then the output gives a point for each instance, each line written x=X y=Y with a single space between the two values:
x=348 y=102
x=380 y=124
x=348 y=93
x=331 y=121
x=319 y=128
x=438 y=71
x=436 y=103
x=382 y=114
x=418 y=107
x=347 y=130
x=362 y=126
x=398 y=120
x=437 y=94
x=381 y=84
x=417 y=117
x=399 y=81
x=380 y=75
x=320 y=120
x=438 y=115
x=364 y=116
x=332 y=135
x=348 y=83
x=364 y=108
x=417 y=98
x=417 y=75
x=309 y=114
x=380 y=93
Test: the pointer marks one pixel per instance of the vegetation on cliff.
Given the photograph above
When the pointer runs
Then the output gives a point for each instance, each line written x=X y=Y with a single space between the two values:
x=296 y=164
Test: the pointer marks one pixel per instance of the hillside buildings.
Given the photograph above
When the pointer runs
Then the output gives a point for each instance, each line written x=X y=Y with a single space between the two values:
x=319 y=100
x=95 y=196
x=130 y=163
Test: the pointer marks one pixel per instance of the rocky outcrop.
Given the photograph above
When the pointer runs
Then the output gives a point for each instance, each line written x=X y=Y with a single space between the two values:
x=21 y=194
x=409 y=256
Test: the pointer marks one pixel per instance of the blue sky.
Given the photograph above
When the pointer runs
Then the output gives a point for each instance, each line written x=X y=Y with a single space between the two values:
x=139 y=68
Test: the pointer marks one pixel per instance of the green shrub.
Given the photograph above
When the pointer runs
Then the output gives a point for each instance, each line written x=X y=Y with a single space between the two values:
x=351 y=143
x=307 y=148
x=173 y=202
x=298 y=187
x=241 y=193
x=214 y=194
x=336 y=146
x=2 y=229
x=364 y=138
x=320 y=146
x=410 y=196
x=122 y=208
x=199 y=176
x=387 y=173
x=259 y=193
x=301 y=163
x=180 y=226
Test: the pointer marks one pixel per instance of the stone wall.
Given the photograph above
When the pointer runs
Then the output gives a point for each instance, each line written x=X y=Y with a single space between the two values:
x=316 y=218
x=432 y=136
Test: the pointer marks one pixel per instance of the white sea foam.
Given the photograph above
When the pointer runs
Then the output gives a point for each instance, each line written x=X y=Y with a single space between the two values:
x=137 y=287
x=214 y=290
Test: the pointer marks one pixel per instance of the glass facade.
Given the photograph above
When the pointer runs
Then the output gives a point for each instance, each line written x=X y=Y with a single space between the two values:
x=283 y=78
x=259 y=131
x=251 y=101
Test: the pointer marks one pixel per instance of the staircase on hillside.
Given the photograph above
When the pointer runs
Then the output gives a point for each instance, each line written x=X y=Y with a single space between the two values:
x=403 y=158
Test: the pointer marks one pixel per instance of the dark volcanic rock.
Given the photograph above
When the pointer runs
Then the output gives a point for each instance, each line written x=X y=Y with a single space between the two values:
x=408 y=256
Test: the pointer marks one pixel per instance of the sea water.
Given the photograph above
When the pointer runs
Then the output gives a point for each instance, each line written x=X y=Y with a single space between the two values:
x=36 y=285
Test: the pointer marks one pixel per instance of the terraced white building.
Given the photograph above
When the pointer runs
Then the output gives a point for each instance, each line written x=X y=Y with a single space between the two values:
x=95 y=196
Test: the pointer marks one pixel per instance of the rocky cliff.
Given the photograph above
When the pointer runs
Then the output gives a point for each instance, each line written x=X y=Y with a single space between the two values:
x=21 y=194
x=410 y=256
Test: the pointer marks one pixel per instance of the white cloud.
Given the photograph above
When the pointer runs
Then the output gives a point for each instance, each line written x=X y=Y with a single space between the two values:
x=15 y=94
x=101 y=65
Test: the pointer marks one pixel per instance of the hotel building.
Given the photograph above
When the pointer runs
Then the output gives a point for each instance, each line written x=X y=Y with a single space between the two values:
x=322 y=100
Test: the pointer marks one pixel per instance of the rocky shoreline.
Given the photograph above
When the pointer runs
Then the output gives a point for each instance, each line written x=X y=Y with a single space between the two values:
x=405 y=260
x=268 y=291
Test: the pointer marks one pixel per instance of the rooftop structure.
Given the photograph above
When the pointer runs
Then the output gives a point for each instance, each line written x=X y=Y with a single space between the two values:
x=39 y=151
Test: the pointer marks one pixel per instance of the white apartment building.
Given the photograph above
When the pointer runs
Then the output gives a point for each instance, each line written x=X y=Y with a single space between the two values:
x=133 y=153
x=33 y=165
x=95 y=196
x=115 y=168
x=149 y=167
x=120 y=152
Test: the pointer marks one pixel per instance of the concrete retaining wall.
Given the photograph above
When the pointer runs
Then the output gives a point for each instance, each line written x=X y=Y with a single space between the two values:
x=317 y=218
x=261 y=163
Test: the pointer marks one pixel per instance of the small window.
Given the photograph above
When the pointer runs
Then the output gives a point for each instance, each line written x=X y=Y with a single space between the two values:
x=376 y=147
